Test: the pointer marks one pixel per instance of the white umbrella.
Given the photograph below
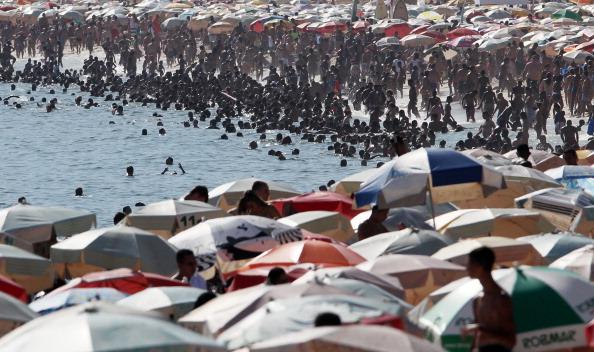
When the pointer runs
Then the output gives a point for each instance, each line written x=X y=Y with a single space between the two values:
x=328 y=223
x=169 y=217
x=31 y=271
x=388 y=41
x=417 y=40
x=73 y=297
x=13 y=313
x=227 y=196
x=577 y=56
x=36 y=228
x=553 y=246
x=173 y=23
x=579 y=261
x=170 y=301
x=104 y=327
x=113 y=248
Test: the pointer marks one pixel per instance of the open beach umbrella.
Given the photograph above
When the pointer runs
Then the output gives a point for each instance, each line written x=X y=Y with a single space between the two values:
x=541 y=160
x=13 y=289
x=584 y=222
x=36 y=228
x=466 y=41
x=387 y=42
x=171 y=302
x=430 y=16
x=169 y=217
x=448 y=175
x=328 y=201
x=508 y=222
x=553 y=246
x=278 y=318
x=13 y=313
x=559 y=205
x=221 y=27
x=329 y=275
x=328 y=223
x=419 y=275
x=113 y=248
x=251 y=277
x=417 y=41
x=354 y=338
x=461 y=32
x=565 y=13
x=229 y=242
x=104 y=327
x=173 y=23
x=519 y=181
x=492 y=44
x=551 y=310
x=574 y=176
x=352 y=183
x=198 y=23
x=577 y=56
x=73 y=297
x=508 y=251
x=579 y=261
x=320 y=253
x=397 y=219
x=226 y=196
x=407 y=241
x=32 y=272
x=124 y=280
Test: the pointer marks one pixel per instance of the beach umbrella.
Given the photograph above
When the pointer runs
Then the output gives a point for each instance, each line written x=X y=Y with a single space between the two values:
x=498 y=14
x=352 y=183
x=355 y=338
x=227 y=196
x=559 y=205
x=574 y=176
x=466 y=41
x=584 y=222
x=387 y=42
x=577 y=56
x=221 y=27
x=430 y=16
x=551 y=310
x=579 y=261
x=585 y=156
x=327 y=201
x=112 y=248
x=31 y=271
x=407 y=241
x=71 y=15
x=104 y=327
x=396 y=28
x=553 y=246
x=492 y=44
x=328 y=223
x=438 y=36
x=278 y=318
x=320 y=253
x=541 y=160
x=329 y=275
x=519 y=181
x=35 y=228
x=416 y=41
x=462 y=32
x=169 y=217
x=331 y=27
x=13 y=289
x=178 y=5
x=586 y=46
x=360 y=25
x=446 y=174
x=13 y=313
x=231 y=241
x=564 y=13
x=405 y=217
x=173 y=23
x=198 y=23
x=508 y=251
x=419 y=275
x=73 y=297
x=506 y=222
x=171 y=302
x=123 y=280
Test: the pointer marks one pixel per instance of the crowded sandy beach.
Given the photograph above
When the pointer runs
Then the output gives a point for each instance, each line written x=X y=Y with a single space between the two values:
x=297 y=176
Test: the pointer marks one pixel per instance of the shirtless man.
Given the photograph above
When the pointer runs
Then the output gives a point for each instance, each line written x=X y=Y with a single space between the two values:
x=569 y=135
x=494 y=330
x=532 y=72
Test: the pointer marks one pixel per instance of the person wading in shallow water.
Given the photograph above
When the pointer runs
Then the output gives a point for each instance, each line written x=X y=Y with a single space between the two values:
x=494 y=330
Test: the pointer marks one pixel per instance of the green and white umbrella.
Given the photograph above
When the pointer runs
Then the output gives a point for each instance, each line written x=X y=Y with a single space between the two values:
x=106 y=328
x=551 y=310
x=170 y=301
x=113 y=248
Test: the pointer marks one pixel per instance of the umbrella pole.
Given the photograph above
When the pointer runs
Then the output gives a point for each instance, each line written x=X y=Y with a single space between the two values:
x=432 y=207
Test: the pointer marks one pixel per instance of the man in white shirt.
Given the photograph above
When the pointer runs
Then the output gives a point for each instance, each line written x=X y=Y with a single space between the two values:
x=186 y=269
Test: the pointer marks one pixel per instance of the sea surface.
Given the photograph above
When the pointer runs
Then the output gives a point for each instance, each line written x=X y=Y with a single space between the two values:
x=46 y=156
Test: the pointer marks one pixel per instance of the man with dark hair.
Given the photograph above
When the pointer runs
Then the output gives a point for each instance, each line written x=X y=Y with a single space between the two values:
x=186 y=269
x=374 y=225
x=494 y=330
x=198 y=193
x=119 y=216
x=277 y=276
x=570 y=157
x=262 y=190
x=523 y=153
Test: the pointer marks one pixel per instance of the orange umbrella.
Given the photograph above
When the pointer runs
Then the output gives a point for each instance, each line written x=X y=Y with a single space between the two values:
x=320 y=253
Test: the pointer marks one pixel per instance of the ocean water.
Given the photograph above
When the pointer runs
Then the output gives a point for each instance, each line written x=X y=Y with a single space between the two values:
x=45 y=156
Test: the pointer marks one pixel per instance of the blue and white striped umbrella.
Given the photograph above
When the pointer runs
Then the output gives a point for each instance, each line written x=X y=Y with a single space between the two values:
x=449 y=175
x=574 y=176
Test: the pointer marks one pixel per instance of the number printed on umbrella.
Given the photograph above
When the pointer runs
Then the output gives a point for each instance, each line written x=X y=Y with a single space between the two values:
x=586 y=306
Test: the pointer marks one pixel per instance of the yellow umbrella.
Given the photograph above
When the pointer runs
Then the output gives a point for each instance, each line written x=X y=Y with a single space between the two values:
x=178 y=5
x=508 y=251
x=430 y=16
x=510 y=223
x=328 y=223
x=31 y=271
